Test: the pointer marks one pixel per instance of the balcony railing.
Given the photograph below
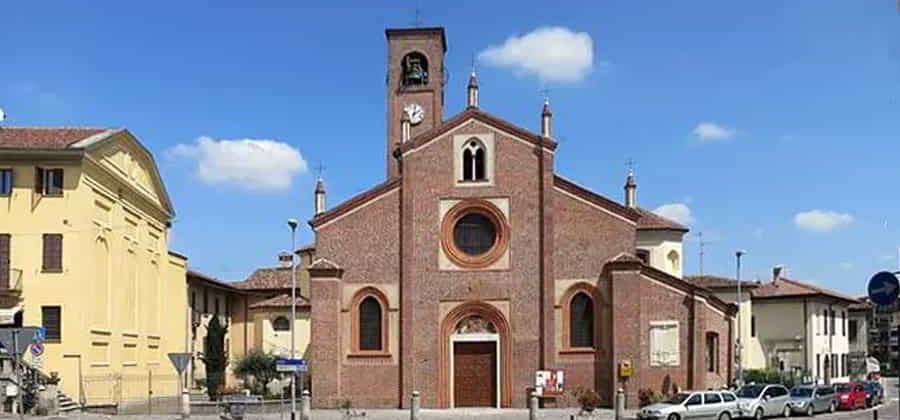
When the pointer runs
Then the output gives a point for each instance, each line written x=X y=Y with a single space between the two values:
x=13 y=284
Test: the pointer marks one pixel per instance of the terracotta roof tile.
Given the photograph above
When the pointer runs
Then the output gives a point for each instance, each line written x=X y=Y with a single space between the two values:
x=717 y=282
x=786 y=288
x=270 y=278
x=279 y=301
x=652 y=221
x=196 y=276
x=44 y=137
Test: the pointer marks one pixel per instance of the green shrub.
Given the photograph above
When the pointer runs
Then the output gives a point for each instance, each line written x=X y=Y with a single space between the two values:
x=256 y=368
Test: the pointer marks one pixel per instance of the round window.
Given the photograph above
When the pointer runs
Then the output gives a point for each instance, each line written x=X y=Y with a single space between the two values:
x=474 y=234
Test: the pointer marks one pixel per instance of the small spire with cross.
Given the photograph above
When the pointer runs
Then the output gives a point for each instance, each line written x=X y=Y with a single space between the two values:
x=630 y=165
x=320 y=168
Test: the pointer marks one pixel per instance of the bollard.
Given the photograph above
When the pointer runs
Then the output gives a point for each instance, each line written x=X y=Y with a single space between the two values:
x=185 y=403
x=414 y=406
x=620 y=404
x=532 y=406
x=305 y=406
x=875 y=414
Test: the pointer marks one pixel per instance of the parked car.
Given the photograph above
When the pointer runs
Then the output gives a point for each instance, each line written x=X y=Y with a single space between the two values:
x=763 y=400
x=812 y=399
x=718 y=405
x=850 y=395
x=874 y=393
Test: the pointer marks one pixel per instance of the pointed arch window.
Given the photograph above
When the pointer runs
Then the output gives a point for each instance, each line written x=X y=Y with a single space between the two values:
x=581 y=322
x=474 y=158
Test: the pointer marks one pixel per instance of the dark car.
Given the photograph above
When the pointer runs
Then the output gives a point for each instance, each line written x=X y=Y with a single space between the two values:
x=874 y=393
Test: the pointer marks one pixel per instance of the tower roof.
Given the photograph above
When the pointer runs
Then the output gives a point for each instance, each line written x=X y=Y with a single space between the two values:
x=473 y=81
x=407 y=32
x=320 y=185
x=547 y=111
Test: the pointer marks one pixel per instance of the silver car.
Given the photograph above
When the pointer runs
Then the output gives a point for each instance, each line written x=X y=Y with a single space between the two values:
x=812 y=399
x=713 y=405
x=761 y=400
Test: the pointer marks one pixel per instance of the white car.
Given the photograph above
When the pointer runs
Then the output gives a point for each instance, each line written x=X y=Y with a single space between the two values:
x=713 y=405
x=762 y=400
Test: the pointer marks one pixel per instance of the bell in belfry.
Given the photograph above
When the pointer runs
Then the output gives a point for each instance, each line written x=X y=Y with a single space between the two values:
x=415 y=74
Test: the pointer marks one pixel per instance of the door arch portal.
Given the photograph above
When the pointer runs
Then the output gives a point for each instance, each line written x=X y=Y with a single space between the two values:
x=476 y=319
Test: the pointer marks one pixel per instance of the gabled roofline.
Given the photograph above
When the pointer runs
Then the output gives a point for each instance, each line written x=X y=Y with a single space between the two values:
x=461 y=118
x=355 y=202
x=96 y=141
x=670 y=280
x=594 y=198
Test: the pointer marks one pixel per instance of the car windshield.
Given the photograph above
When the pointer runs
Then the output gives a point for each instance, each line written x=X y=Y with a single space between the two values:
x=801 y=392
x=750 y=391
x=678 y=398
x=842 y=388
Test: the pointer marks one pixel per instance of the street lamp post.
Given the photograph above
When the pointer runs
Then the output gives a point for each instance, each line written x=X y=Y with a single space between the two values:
x=738 y=343
x=292 y=223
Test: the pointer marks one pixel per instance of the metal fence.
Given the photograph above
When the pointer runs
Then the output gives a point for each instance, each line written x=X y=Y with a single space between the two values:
x=148 y=392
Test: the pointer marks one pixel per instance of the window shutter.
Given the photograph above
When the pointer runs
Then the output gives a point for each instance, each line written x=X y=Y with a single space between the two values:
x=39 y=180
x=52 y=251
x=370 y=324
x=581 y=321
x=4 y=261
x=52 y=321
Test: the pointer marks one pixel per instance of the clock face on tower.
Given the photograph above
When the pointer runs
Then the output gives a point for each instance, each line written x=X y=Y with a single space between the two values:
x=415 y=113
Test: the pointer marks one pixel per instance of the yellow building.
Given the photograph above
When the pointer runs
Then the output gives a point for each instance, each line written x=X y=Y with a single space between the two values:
x=84 y=229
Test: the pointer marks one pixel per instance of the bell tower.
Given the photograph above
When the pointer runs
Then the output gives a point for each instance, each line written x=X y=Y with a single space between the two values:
x=415 y=84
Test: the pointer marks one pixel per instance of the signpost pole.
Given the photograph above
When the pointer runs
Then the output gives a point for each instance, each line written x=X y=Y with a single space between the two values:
x=17 y=357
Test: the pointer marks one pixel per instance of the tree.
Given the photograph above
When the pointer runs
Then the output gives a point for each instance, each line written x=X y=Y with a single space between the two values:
x=214 y=357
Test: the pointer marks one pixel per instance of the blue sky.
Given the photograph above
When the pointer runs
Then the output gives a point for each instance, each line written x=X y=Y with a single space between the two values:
x=747 y=115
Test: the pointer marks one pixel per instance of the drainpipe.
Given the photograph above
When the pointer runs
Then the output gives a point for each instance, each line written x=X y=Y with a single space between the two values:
x=806 y=338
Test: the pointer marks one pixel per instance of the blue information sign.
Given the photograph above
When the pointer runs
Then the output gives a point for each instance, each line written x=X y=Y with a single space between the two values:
x=883 y=288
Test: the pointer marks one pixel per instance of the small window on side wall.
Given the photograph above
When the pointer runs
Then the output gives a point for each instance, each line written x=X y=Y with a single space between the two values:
x=48 y=181
x=6 y=180
x=281 y=324
x=474 y=158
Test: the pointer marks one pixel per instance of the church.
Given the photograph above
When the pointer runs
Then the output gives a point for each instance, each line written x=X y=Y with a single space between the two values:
x=474 y=268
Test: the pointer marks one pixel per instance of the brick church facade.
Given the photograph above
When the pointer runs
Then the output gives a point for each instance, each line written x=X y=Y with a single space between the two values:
x=474 y=265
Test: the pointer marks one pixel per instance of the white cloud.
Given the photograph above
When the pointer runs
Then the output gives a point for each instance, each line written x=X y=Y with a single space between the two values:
x=553 y=54
x=821 y=220
x=710 y=131
x=678 y=212
x=846 y=266
x=252 y=164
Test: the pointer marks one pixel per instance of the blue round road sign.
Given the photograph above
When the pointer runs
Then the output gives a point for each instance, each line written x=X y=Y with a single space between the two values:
x=883 y=288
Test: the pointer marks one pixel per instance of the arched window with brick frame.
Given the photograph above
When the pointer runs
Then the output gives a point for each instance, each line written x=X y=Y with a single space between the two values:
x=369 y=326
x=581 y=314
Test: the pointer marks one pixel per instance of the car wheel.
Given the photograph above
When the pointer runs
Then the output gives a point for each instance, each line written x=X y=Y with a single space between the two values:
x=759 y=414
x=725 y=416
x=833 y=407
x=810 y=411
x=786 y=412
x=672 y=417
